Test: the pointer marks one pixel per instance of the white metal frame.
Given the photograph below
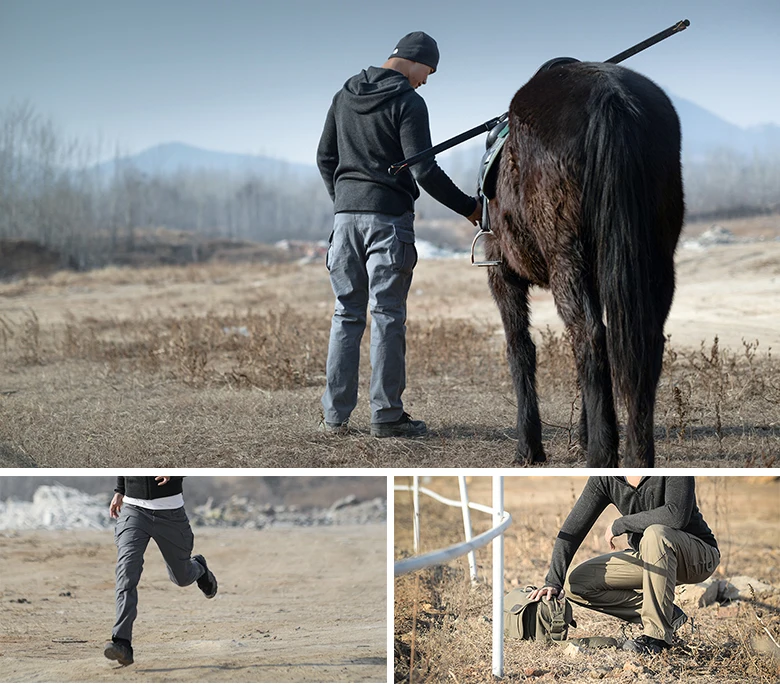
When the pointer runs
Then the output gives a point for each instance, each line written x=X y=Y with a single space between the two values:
x=501 y=520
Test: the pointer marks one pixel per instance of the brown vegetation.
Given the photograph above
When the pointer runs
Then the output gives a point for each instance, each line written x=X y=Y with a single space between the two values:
x=222 y=365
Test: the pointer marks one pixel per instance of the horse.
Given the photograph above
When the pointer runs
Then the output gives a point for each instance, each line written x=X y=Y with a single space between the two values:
x=589 y=203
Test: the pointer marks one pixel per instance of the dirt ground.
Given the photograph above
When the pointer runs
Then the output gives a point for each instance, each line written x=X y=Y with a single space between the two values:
x=298 y=605
x=220 y=365
x=448 y=622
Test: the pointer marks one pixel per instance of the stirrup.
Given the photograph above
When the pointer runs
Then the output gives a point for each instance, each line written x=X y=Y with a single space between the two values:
x=482 y=233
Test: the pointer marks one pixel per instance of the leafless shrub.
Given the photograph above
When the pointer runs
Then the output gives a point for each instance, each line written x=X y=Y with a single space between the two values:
x=30 y=340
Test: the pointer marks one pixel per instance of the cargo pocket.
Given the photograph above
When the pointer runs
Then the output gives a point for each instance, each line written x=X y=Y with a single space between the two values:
x=120 y=525
x=404 y=251
x=327 y=251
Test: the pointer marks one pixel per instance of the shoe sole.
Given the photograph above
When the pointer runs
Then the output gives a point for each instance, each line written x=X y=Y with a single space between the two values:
x=390 y=433
x=113 y=653
x=209 y=574
x=640 y=650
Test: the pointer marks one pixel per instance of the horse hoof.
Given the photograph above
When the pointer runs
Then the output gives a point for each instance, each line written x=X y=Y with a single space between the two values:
x=530 y=457
x=603 y=463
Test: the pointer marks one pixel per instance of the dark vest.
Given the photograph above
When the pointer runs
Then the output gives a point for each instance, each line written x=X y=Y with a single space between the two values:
x=148 y=487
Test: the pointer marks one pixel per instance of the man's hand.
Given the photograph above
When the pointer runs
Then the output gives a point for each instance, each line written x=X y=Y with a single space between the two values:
x=545 y=592
x=609 y=537
x=162 y=480
x=476 y=215
x=116 y=505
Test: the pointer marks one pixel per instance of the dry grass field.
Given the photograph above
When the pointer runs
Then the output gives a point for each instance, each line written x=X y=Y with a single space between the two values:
x=294 y=605
x=448 y=622
x=222 y=364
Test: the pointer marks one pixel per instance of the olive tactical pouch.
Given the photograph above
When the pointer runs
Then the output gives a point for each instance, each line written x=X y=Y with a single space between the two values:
x=539 y=620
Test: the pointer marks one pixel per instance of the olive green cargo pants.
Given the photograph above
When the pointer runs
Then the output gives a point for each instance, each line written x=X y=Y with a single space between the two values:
x=638 y=586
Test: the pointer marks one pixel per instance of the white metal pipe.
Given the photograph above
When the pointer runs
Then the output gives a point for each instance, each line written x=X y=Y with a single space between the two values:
x=416 y=497
x=464 y=505
x=498 y=579
x=444 y=500
x=443 y=555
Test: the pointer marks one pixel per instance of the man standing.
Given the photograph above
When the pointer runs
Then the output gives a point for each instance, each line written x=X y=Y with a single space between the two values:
x=150 y=508
x=670 y=544
x=377 y=119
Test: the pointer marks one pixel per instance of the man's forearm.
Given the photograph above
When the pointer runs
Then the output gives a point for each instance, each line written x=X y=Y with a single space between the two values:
x=440 y=186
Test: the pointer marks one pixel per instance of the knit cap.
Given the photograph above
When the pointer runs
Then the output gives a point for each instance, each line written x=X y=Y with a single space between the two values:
x=418 y=47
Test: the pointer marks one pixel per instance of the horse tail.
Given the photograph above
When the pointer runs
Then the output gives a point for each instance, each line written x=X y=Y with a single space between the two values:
x=621 y=204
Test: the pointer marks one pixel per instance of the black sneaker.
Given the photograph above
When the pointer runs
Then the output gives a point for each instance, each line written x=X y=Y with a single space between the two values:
x=119 y=650
x=679 y=618
x=645 y=645
x=207 y=583
x=403 y=427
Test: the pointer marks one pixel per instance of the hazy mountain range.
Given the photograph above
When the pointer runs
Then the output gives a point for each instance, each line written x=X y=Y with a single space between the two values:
x=703 y=133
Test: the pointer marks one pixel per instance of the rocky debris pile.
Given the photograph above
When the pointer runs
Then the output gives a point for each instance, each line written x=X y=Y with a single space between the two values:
x=56 y=507
x=721 y=591
x=715 y=235
x=241 y=512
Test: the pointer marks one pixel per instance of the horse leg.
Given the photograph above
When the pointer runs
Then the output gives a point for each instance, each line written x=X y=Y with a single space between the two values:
x=640 y=443
x=582 y=431
x=511 y=295
x=580 y=309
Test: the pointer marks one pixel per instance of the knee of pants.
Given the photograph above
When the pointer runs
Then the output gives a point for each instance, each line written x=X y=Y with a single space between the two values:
x=655 y=532
x=350 y=312
x=653 y=537
x=127 y=579
x=181 y=578
x=389 y=316
x=574 y=584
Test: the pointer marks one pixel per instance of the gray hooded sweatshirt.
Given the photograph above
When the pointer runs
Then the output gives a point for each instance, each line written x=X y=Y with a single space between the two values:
x=669 y=501
x=375 y=120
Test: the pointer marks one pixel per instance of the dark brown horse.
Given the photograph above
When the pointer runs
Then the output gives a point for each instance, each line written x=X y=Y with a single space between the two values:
x=589 y=202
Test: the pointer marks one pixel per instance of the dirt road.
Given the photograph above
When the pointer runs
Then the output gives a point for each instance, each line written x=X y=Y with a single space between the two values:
x=297 y=605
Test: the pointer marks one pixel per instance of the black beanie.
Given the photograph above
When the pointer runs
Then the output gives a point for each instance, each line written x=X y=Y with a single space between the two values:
x=418 y=47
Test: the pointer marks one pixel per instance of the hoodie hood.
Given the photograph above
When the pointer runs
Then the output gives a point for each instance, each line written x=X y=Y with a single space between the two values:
x=373 y=87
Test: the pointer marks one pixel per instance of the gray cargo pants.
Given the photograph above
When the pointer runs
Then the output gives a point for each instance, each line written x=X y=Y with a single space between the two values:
x=638 y=586
x=134 y=527
x=370 y=258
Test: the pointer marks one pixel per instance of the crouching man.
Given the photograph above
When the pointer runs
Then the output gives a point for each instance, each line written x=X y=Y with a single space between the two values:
x=670 y=544
x=150 y=508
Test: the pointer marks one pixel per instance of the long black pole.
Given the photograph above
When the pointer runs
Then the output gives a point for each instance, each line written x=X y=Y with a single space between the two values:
x=474 y=132
x=657 y=38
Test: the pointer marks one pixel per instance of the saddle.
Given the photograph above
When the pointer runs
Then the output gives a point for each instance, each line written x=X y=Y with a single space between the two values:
x=488 y=167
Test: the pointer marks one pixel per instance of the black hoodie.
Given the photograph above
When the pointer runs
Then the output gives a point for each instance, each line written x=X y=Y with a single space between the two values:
x=656 y=500
x=375 y=120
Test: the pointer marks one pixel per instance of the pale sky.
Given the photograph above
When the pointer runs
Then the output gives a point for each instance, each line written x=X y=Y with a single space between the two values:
x=257 y=76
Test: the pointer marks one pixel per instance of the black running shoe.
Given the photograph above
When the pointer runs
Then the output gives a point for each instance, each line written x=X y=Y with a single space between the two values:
x=645 y=645
x=403 y=427
x=207 y=583
x=119 y=650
